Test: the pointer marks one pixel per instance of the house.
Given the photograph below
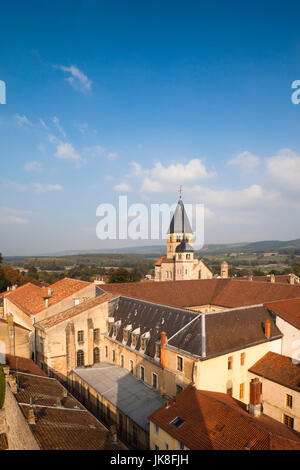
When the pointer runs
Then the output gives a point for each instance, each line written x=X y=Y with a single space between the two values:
x=280 y=378
x=201 y=420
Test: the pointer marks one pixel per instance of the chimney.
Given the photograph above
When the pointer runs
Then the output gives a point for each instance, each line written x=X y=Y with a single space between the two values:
x=31 y=416
x=46 y=302
x=272 y=278
x=163 y=340
x=203 y=336
x=250 y=278
x=291 y=279
x=268 y=328
x=49 y=292
x=255 y=398
x=58 y=402
x=168 y=404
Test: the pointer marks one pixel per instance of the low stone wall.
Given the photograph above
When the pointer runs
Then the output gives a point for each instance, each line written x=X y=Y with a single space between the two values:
x=13 y=423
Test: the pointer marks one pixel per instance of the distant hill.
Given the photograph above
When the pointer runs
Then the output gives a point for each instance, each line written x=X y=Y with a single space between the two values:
x=159 y=250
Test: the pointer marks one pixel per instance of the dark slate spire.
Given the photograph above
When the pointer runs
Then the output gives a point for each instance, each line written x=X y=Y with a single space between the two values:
x=180 y=222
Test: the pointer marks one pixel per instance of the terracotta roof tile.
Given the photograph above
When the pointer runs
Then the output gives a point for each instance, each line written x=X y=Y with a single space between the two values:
x=279 y=369
x=31 y=298
x=227 y=293
x=289 y=310
x=216 y=421
x=72 y=312
x=23 y=364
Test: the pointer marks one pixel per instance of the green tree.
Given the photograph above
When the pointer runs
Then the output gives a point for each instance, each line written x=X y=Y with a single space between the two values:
x=122 y=275
x=296 y=268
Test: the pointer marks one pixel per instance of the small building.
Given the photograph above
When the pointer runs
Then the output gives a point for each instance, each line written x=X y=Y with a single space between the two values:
x=280 y=378
x=117 y=398
x=202 y=420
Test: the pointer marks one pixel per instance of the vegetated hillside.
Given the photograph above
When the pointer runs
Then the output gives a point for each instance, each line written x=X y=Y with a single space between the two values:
x=254 y=247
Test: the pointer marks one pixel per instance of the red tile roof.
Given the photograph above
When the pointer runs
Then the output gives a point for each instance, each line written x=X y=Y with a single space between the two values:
x=289 y=310
x=279 y=369
x=23 y=364
x=31 y=298
x=72 y=312
x=216 y=421
x=227 y=293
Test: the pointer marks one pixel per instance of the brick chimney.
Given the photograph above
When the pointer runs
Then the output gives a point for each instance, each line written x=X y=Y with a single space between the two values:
x=31 y=416
x=163 y=340
x=255 y=407
x=268 y=328
x=272 y=278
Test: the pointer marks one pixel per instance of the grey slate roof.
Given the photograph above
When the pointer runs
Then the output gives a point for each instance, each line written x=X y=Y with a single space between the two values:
x=129 y=394
x=180 y=222
x=149 y=317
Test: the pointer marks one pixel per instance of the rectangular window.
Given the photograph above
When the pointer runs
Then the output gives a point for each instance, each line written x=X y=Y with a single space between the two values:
x=179 y=363
x=114 y=356
x=154 y=380
x=230 y=362
x=289 y=401
x=106 y=351
x=134 y=435
x=80 y=336
x=180 y=445
x=243 y=356
x=142 y=373
x=157 y=350
x=166 y=446
x=156 y=429
x=288 y=421
x=122 y=361
x=242 y=391
x=96 y=334
x=131 y=366
x=156 y=447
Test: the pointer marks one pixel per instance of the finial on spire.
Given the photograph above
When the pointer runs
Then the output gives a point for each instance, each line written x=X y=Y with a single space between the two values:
x=180 y=191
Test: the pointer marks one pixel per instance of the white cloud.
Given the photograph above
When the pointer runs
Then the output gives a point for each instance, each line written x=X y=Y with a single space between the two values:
x=77 y=79
x=44 y=125
x=82 y=127
x=112 y=156
x=66 y=151
x=180 y=173
x=246 y=161
x=137 y=169
x=44 y=188
x=56 y=122
x=95 y=151
x=122 y=188
x=22 y=120
x=15 y=186
x=13 y=216
x=284 y=170
x=33 y=166
x=151 y=186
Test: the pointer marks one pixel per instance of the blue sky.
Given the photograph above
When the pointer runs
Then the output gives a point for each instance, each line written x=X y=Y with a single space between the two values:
x=136 y=98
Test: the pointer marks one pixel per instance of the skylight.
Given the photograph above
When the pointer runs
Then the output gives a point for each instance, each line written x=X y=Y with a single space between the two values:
x=177 y=422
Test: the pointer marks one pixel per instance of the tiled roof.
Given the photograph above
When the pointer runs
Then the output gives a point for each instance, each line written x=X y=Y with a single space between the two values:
x=159 y=262
x=226 y=331
x=281 y=278
x=279 y=369
x=149 y=318
x=64 y=424
x=72 y=312
x=23 y=364
x=31 y=298
x=216 y=421
x=227 y=293
x=289 y=310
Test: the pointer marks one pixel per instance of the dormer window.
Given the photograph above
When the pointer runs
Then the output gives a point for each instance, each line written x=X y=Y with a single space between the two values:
x=109 y=323
x=144 y=340
x=135 y=336
x=116 y=327
x=126 y=332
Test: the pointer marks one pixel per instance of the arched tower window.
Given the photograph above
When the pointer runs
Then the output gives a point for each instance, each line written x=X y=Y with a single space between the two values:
x=96 y=355
x=80 y=358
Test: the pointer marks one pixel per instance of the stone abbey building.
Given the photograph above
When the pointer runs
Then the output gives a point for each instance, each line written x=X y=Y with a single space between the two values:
x=180 y=264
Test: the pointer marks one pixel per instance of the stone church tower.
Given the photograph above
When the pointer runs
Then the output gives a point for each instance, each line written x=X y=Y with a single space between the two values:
x=180 y=263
